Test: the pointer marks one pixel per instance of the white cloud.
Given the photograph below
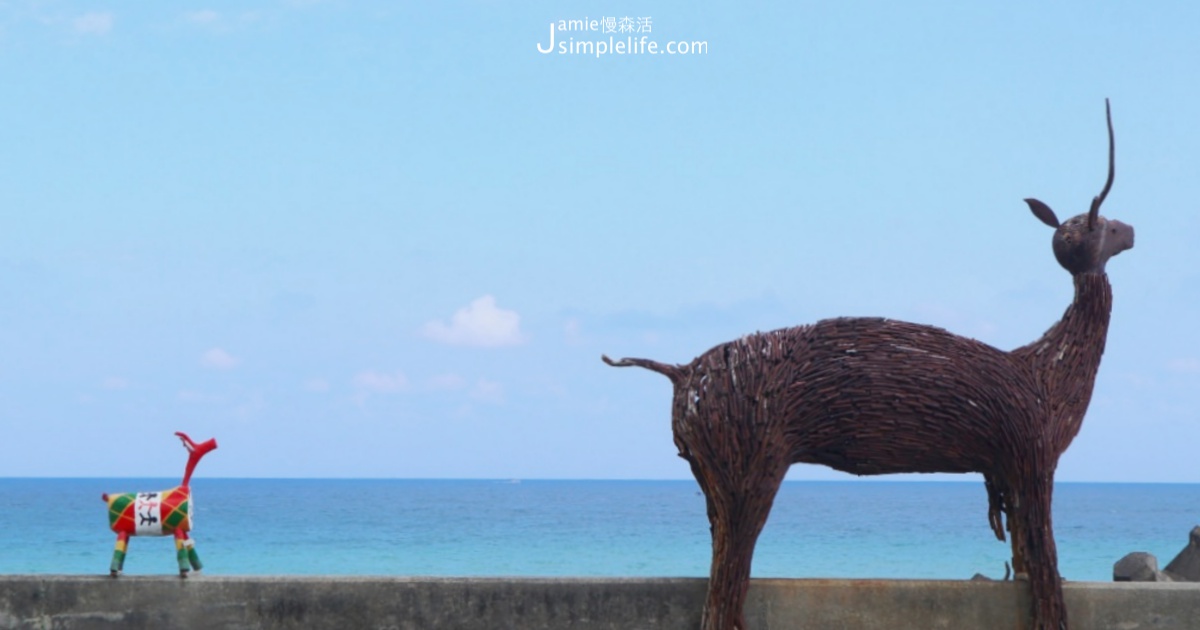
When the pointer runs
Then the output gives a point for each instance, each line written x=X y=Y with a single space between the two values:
x=93 y=23
x=481 y=324
x=380 y=382
x=488 y=391
x=218 y=359
x=370 y=382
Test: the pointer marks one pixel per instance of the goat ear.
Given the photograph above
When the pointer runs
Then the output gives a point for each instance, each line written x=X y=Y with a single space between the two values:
x=1043 y=212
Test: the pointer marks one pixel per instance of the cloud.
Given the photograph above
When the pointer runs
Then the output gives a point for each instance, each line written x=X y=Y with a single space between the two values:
x=93 y=23
x=370 y=382
x=380 y=382
x=480 y=324
x=218 y=359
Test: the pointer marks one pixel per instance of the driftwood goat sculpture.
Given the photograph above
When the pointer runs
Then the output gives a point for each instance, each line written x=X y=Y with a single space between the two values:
x=873 y=396
x=158 y=514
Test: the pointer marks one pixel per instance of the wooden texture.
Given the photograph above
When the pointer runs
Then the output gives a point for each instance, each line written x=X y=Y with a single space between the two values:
x=874 y=396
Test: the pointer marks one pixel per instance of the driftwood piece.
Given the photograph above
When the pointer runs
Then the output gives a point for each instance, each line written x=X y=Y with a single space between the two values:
x=873 y=396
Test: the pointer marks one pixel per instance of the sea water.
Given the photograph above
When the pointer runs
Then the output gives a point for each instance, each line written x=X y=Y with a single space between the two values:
x=840 y=529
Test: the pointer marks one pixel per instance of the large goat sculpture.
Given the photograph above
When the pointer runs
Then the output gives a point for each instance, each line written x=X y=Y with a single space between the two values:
x=158 y=514
x=873 y=396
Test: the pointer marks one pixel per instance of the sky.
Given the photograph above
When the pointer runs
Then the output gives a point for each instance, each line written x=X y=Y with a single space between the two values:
x=392 y=239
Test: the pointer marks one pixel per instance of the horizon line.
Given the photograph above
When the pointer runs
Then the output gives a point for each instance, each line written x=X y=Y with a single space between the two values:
x=517 y=480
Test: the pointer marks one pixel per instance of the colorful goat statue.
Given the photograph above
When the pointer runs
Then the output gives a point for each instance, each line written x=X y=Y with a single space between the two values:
x=158 y=514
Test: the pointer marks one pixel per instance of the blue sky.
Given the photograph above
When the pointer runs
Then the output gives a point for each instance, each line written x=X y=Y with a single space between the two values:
x=381 y=239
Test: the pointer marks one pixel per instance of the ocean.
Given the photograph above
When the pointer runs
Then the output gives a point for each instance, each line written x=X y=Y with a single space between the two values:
x=838 y=529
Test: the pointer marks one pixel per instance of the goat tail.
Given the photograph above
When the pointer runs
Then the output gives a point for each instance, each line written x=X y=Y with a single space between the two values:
x=673 y=372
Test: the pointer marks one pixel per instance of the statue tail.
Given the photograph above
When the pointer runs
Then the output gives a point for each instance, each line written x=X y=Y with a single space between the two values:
x=673 y=372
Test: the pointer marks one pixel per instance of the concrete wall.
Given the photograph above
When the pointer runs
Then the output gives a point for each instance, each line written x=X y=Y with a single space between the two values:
x=85 y=602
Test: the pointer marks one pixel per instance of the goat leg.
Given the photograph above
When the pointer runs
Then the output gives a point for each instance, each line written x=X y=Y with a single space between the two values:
x=738 y=510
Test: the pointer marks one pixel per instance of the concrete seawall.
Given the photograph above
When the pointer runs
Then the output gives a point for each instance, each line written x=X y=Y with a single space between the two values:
x=86 y=602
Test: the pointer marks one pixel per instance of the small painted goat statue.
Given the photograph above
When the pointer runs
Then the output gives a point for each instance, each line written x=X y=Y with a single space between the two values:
x=158 y=514
x=872 y=396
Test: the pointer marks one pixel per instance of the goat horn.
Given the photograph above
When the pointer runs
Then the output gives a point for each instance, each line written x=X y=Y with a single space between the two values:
x=1096 y=201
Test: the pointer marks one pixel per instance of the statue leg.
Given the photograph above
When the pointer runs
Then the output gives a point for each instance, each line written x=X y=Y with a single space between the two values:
x=193 y=557
x=737 y=511
x=118 y=558
x=1035 y=553
x=181 y=552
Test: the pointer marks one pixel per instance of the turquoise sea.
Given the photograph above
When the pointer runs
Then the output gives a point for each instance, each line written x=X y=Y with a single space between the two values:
x=885 y=529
